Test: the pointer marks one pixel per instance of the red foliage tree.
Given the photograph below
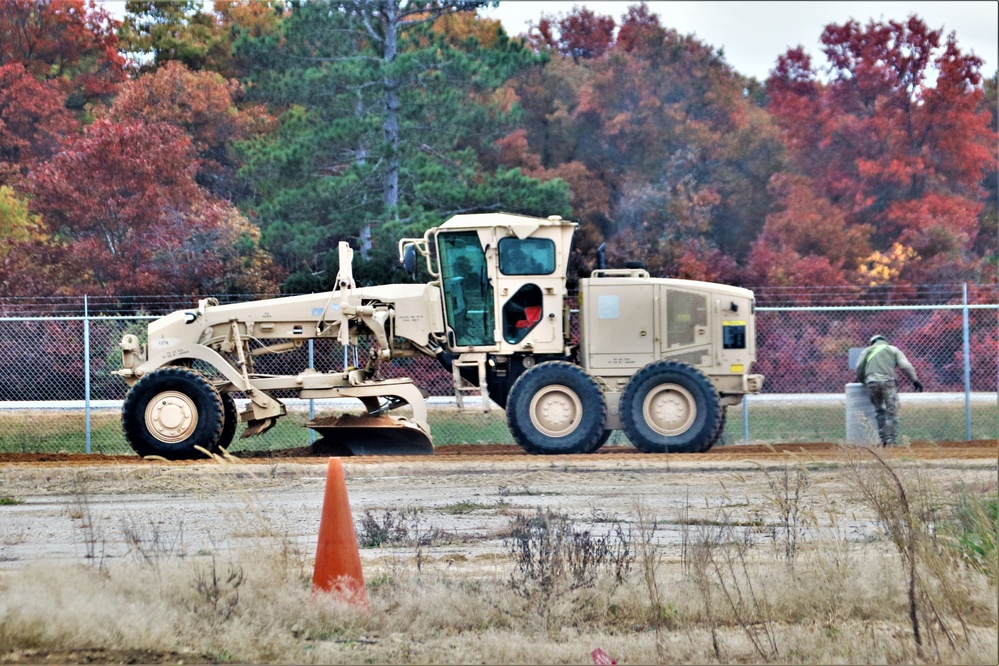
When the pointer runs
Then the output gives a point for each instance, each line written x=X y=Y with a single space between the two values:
x=681 y=152
x=203 y=105
x=807 y=241
x=33 y=120
x=581 y=34
x=125 y=216
x=64 y=40
x=896 y=139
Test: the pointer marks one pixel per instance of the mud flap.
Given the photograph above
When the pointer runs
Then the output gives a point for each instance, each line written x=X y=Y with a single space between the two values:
x=349 y=435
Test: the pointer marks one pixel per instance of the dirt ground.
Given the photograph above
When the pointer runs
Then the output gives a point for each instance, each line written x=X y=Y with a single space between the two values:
x=79 y=509
x=958 y=450
x=70 y=507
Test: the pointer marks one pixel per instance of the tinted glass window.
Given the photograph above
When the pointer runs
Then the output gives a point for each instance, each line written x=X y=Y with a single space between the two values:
x=468 y=295
x=685 y=311
x=527 y=256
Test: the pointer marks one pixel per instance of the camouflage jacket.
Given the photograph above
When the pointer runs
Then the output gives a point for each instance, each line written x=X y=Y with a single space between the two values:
x=878 y=362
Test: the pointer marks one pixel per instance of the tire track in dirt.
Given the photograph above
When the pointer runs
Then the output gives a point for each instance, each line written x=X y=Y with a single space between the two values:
x=985 y=449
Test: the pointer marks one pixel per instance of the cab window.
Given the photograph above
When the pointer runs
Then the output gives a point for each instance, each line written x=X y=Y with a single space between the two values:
x=468 y=295
x=527 y=256
x=522 y=313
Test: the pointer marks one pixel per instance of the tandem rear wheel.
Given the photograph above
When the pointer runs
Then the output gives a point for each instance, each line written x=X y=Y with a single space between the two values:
x=555 y=408
x=669 y=406
x=173 y=410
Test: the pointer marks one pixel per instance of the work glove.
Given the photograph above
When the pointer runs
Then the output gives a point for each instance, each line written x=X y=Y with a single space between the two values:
x=919 y=386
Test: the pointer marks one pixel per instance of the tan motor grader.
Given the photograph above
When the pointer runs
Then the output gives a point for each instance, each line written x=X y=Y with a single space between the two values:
x=659 y=358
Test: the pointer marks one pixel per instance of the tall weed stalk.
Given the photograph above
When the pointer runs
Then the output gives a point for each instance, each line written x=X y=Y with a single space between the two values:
x=788 y=486
x=720 y=568
x=906 y=506
x=650 y=560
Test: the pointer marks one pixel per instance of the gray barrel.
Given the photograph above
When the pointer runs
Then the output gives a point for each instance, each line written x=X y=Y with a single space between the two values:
x=861 y=418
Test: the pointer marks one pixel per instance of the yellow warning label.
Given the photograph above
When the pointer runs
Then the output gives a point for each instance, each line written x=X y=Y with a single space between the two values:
x=738 y=367
x=733 y=323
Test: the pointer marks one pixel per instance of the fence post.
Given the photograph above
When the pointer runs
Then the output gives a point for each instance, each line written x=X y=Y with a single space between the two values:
x=86 y=367
x=312 y=403
x=745 y=418
x=967 y=365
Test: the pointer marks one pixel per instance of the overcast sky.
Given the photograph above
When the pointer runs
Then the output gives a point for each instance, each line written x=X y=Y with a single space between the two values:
x=753 y=34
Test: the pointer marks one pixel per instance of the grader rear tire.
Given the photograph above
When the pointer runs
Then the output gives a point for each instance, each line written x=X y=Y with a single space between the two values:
x=670 y=407
x=171 y=411
x=601 y=441
x=719 y=435
x=555 y=407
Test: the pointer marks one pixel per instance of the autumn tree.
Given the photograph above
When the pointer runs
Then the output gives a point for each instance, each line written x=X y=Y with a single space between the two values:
x=580 y=34
x=805 y=241
x=66 y=41
x=659 y=119
x=987 y=241
x=122 y=214
x=205 y=106
x=33 y=120
x=895 y=139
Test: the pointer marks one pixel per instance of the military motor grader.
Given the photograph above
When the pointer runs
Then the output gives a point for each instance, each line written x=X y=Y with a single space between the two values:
x=659 y=358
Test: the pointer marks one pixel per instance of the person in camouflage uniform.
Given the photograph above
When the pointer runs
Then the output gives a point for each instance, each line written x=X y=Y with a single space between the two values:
x=876 y=370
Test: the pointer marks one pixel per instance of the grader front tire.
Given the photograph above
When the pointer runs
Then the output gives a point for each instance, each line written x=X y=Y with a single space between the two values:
x=230 y=419
x=171 y=411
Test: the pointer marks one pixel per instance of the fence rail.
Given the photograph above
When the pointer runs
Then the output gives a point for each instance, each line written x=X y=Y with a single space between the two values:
x=57 y=392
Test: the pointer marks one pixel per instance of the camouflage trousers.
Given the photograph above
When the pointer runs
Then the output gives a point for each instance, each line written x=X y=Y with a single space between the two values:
x=884 y=396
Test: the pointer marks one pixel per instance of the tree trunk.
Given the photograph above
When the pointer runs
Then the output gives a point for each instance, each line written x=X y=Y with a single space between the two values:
x=391 y=124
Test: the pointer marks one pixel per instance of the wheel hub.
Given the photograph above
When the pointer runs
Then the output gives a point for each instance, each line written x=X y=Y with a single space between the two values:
x=171 y=417
x=556 y=410
x=669 y=409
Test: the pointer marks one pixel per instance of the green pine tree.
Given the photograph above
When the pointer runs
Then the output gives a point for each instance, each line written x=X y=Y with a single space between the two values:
x=384 y=121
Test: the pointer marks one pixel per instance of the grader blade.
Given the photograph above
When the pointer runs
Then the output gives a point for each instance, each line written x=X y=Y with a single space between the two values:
x=349 y=435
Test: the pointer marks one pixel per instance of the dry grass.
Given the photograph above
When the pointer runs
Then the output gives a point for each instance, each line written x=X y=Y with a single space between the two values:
x=800 y=588
x=438 y=618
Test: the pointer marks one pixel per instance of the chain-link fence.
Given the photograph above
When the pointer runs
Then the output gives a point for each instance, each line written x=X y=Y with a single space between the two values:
x=58 y=393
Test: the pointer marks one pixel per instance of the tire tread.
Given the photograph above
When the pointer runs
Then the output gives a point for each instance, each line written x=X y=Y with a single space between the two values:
x=525 y=438
x=133 y=406
x=701 y=383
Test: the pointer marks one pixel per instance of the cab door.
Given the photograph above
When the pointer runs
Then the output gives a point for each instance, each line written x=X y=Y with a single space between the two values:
x=467 y=290
x=531 y=305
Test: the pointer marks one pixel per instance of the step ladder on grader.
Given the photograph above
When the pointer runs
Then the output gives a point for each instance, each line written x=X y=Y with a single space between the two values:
x=475 y=361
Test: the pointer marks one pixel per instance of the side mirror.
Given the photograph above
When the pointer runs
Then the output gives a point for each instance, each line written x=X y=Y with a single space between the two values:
x=409 y=259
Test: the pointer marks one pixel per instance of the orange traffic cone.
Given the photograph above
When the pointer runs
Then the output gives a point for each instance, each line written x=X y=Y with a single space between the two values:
x=338 y=562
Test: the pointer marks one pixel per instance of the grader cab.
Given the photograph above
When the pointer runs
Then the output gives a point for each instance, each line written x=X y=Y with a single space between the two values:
x=659 y=358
